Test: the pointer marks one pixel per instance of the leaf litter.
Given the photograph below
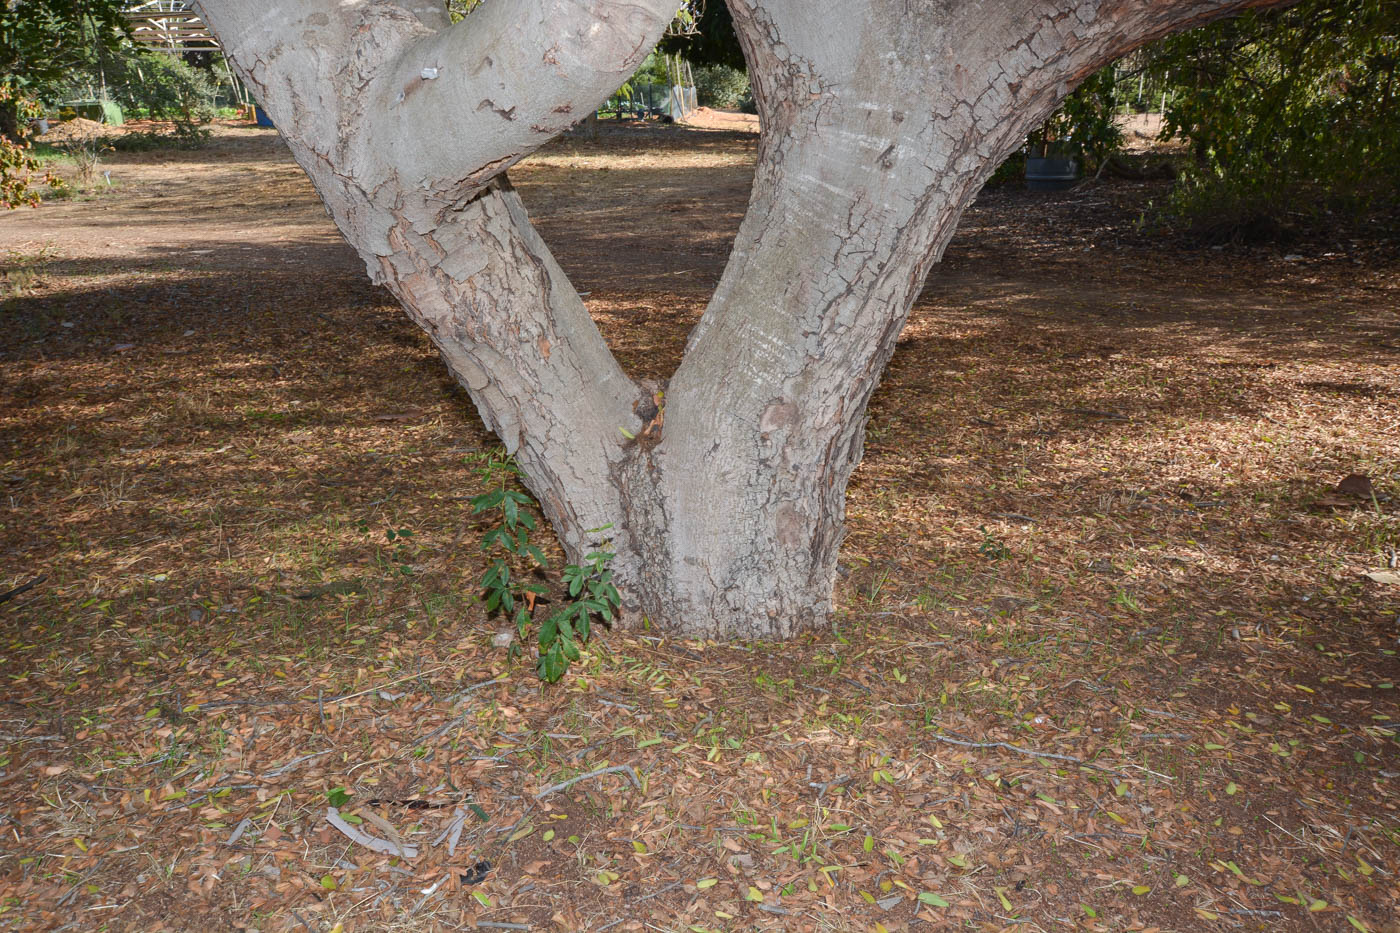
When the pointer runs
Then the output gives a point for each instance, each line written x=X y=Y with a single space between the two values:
x=1116 y=670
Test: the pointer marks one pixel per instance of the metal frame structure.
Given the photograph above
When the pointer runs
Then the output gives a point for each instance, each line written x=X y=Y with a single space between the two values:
x=169 y=25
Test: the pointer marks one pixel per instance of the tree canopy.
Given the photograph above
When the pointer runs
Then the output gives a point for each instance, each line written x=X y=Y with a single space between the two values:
x=713 y=40
x=1288 y=111
x=41 y=41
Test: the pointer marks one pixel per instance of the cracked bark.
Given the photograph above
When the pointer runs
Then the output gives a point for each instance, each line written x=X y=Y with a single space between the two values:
x=881 y=118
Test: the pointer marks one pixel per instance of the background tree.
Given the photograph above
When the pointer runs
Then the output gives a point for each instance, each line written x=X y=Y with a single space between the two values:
x=42 y=41
x=725 y=488
x=712 y=42
x=1289 y=113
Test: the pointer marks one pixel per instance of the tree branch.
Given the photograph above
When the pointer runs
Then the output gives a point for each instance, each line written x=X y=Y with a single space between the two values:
x=462 y=105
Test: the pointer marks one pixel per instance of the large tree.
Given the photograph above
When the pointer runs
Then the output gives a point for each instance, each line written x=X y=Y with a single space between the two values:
x=881 y=119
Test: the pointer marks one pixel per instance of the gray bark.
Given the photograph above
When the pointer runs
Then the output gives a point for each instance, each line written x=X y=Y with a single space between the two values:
x=881 y=118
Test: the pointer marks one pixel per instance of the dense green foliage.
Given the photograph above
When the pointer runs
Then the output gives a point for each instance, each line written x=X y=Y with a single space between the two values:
x=1291 y=116
x=712 y=40
x=40 y=41
x=721 y=86
x=43 y=41
x=1085 y=124
x=1290 y=113
x=589 y=595
x=18 y=171
x=161 y=87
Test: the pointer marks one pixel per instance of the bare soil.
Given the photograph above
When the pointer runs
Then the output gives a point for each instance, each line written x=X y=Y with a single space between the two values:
x=1108 y=656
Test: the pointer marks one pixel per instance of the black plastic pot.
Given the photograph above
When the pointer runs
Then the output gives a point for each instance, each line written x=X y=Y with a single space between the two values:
x=1051 y=174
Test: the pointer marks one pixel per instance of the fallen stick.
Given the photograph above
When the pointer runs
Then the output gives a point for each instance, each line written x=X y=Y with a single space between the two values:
x=23 y=588
x=294 y=763
x=1032 y=752
x=351 y=696
x=565 y=785
x=459 y=697
x=374 y=843
x=238 y=831
x=452 y=832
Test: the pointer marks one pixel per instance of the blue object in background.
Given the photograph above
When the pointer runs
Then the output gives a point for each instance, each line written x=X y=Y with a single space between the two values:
x=261 y=118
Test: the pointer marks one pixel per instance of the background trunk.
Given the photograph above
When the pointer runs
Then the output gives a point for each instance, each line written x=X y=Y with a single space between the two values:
x=9 y=121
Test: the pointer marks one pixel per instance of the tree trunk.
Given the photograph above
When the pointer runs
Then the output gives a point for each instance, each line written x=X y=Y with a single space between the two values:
x=881 y=119
x=9 y=120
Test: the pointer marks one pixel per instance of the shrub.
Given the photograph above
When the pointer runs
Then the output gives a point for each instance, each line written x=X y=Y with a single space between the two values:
x=165 y=88
x=1291 y=117
x=1084 y=125
x=18 y=166
x=183 y=136
x=721 y=86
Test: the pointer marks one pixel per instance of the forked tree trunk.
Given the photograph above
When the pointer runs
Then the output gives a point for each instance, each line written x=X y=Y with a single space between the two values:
x=881 y=119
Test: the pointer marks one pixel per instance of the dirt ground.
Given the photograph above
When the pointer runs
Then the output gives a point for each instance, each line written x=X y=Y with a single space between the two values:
x=1108 y=656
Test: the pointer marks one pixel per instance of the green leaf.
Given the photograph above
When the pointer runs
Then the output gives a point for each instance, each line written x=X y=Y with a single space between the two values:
x=549 y=631
x=552 y=666
x=705 y=884
x=338 y=797
x=933 y=900
x=487 y=501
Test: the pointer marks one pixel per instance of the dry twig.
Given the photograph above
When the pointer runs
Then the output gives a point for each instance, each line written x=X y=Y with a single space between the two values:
x=1032 y=752
x=565 y=785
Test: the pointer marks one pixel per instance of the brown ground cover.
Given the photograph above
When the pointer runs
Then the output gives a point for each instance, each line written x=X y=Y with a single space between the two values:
x=1106 y=656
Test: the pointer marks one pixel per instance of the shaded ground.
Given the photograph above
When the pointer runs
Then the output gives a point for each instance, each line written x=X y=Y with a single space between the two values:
x=1106 y=657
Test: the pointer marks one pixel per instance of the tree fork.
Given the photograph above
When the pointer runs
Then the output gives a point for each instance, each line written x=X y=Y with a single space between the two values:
x=881 y=120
